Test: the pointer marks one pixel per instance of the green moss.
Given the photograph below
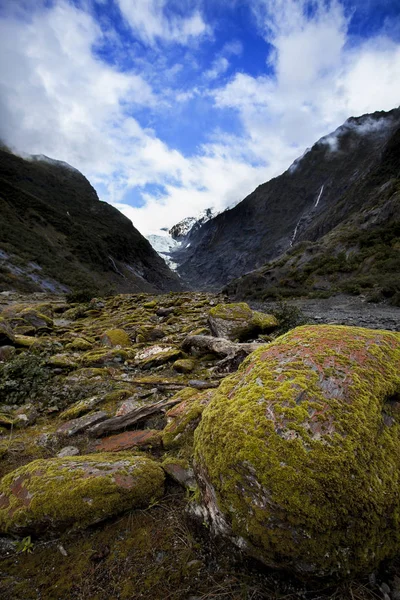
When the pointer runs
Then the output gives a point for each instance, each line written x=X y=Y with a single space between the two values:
x=76 y=491
x=184 y=365
x=79 y=344
x=184 y=418
x=103 y=357
x=238 y=311
x=303 y=450
x=116 y=337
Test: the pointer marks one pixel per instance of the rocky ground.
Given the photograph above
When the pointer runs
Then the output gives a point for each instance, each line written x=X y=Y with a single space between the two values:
x=112 y=390
x=341 y=309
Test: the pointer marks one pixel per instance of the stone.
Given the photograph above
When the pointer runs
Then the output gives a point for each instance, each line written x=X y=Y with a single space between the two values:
x=127 y=440
x=79 y=344
x=68 y=451
x=6 y=353
x=38 y=320
x=238 y=322
x=183 y=418
x=184 y=365
x=26 y=341
x=295 y=457
x=82 y=423
x=115 y=338
x=128 y=405
x=26 y=415
x=180 y=472
x=79 y=408
x=155 y=356
x=6 y=334
x=62 y=361
x=52 y=495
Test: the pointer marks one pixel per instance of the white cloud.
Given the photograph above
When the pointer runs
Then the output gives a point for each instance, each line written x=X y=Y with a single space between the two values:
x=219 y=66
x=150 y=22
x=58 y=98
x=319 y=78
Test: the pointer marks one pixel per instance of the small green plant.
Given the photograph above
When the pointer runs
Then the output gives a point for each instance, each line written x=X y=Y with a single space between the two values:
x=288 y=316
x=24 y=545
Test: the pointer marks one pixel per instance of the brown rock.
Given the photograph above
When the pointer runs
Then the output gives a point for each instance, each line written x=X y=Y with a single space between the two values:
x=127 y=440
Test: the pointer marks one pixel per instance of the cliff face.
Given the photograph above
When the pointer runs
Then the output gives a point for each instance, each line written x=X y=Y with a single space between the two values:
x=318 y=192
x=57 y=235
x=361 y=255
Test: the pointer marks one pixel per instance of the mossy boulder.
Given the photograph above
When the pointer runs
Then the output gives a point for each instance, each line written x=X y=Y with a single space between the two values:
x=76 y=491
x=298 y=453
x=115 y=338
x=184 y=365
x=35 y=318
x=79 y=344
x=238 y=322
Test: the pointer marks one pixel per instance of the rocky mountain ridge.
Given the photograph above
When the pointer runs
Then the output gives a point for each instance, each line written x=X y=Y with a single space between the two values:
x=57 y=235
x=328 y=186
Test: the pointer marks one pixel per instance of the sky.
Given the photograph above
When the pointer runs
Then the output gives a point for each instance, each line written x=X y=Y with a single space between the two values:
x=170 y=107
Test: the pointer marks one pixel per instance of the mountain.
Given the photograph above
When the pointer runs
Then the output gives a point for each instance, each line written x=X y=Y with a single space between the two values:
x=340 y=177
x=360 y=256
x=57 y=235
x=167 y=243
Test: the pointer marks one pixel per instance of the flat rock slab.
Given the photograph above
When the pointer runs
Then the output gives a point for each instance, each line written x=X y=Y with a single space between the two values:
x=127 y=440
x=82 y=423
x=76 y=491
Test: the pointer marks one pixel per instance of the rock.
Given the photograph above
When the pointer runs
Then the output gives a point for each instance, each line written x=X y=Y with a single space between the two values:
x=127 y=440
x=238 y=322
x=79 y=344
x=180 y=471
x=79 y=425
x=25 y=341
x=62 y=361
x=6 y=333
x=104 y=357
x=128 y=406
x=6 y=353
x=38 y=320
x=183 y=419
x=79 y=408
x=58 y=493
x=68 y=451
x=115 y=338
x=157 y=355
x=199 y=384
x=295 y=458
x=184 y=365
x=26 y=415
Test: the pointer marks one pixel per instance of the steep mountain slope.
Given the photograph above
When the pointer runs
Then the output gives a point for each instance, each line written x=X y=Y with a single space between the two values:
x=318 y=192
x=56 y=234
x=359 y=256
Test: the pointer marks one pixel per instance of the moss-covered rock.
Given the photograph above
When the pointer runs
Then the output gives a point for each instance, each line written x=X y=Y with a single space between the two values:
x=184 y=365
x=238 y=322
x=114 y=338
x=76 y=491
x=79 y=344
x=184 y=417
x=298 y=453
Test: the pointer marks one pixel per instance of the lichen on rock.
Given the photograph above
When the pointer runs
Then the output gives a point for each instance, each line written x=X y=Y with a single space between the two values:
x=298 y=453
x=238 y=321
x=76 y=491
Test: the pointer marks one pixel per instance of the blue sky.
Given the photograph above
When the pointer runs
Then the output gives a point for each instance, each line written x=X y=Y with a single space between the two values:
x=173 y=106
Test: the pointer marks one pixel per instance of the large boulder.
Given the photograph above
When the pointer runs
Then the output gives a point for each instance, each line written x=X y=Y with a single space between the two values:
x=238 y=321
x=76 y=491
x=298 y=453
